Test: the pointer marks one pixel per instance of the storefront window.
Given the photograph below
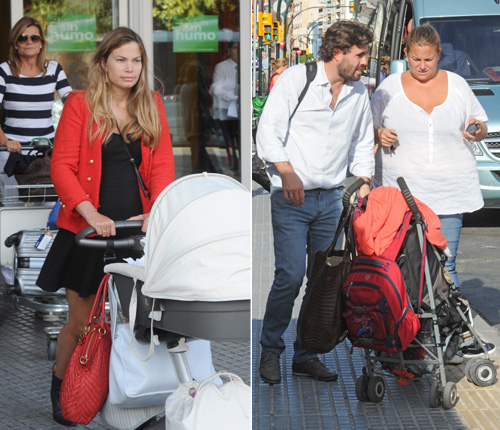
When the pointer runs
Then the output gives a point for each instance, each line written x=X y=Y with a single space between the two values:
x=196 y=56
x=72 y=29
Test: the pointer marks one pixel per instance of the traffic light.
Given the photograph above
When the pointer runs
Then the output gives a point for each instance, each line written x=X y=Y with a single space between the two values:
x=281 y=31
x=276 y=26
x=260 y=23
x=267 y=23
x=351 y=6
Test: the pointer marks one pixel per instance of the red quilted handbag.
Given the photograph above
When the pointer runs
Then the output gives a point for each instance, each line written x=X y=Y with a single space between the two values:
x=86 y=379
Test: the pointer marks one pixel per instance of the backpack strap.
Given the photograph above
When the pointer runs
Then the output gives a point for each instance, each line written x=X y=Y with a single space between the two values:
x=311 y=70
x=392 y=251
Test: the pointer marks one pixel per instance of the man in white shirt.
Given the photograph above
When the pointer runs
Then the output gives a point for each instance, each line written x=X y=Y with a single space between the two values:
x=307 y=160
x=225 y=91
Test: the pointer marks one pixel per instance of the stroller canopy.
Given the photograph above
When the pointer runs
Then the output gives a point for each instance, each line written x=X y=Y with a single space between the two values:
x=198 y=244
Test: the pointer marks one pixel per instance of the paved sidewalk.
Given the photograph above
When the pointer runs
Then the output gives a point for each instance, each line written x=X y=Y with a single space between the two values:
x=302 y=403
x=25 y=371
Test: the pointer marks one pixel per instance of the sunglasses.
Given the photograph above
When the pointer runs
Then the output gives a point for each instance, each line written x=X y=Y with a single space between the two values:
x=23 y=38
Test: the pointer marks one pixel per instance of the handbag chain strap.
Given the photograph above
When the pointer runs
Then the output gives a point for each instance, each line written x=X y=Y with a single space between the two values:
x=144 y=190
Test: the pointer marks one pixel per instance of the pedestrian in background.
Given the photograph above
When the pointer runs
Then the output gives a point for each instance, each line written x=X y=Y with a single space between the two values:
x=225 y=90
x=28 y=82
x=95 y=179
x=279 y=66
x=420 y=118
x=307 y=160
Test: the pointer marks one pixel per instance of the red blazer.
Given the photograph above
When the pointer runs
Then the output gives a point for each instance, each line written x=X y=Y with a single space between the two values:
x=76 y=165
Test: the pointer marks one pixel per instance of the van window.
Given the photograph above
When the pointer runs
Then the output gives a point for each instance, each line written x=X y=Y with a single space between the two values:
x=470 y=47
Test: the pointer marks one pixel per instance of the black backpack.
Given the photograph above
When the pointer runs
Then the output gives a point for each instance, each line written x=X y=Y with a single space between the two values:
x=259 y=174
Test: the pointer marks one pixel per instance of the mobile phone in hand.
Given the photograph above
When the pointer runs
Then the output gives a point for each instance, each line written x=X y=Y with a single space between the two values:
x=472 y=128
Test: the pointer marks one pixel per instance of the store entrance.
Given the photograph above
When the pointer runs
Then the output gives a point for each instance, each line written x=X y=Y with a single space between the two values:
x=4 y=29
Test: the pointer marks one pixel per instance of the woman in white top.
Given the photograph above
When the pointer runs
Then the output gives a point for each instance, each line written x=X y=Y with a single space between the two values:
x=420 y=117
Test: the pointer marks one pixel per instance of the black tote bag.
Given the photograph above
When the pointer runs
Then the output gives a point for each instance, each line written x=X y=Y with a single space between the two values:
x=322 y=325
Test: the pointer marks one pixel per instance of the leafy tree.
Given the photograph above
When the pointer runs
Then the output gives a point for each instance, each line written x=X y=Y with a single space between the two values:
x=102 y=9
x=164 y=10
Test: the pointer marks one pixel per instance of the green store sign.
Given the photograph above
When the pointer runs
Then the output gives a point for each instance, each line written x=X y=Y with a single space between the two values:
x=71 y=33
x=198 y=33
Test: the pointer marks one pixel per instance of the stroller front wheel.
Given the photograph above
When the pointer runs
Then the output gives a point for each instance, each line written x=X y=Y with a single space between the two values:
x=362 y=388
x=376 y=389
x=482 y=372
x=450 y=395
x=434 y=395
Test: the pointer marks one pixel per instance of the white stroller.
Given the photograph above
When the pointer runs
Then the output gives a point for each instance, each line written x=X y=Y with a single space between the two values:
x=196 y=280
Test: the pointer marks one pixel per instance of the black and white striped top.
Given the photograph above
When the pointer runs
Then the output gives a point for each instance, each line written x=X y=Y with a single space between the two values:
x=27 y=101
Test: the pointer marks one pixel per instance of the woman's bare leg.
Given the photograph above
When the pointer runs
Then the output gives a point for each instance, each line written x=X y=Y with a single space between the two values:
x=79 y=311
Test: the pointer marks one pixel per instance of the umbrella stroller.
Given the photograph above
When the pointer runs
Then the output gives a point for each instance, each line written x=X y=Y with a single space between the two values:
x=434 y=321
x=195 y=281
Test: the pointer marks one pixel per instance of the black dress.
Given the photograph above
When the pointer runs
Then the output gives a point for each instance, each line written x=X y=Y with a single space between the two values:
x=81 y=268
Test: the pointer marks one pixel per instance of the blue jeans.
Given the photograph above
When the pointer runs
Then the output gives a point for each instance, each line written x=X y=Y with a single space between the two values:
x=451 y=225
x=299 y=232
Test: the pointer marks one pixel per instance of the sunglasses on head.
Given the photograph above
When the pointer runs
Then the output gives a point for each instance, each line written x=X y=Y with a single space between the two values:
x=23 y=38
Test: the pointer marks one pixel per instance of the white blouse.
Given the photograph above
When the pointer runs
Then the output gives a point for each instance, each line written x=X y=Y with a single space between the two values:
x=431 y=154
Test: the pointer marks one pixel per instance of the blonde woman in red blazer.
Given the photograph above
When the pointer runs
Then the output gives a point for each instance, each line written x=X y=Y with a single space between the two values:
x=96 y=181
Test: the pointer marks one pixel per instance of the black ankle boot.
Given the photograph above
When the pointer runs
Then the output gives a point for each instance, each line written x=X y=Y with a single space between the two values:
x=55 y=391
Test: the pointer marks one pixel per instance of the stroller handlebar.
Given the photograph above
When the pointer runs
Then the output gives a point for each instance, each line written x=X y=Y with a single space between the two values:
x=126 y=243
x=407 y=195
x=355 y=186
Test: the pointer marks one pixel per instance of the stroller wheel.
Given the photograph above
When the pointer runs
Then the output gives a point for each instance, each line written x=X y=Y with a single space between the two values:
x=482 y=372
x=450 y=395
x=468 y=366
x=51 y=348
x=376 y=389
x=362 y=388
x=434 y=395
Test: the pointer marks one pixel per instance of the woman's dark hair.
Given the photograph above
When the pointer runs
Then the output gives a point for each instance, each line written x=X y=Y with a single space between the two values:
x=343 y=35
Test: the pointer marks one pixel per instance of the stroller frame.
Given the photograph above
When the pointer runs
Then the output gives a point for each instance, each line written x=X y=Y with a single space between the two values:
x=370 y=386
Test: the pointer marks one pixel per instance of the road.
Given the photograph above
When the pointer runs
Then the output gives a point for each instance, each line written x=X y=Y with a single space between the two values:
x=478 y=263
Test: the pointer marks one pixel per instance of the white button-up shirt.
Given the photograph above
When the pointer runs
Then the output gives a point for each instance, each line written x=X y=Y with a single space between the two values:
x=225 y=87
x=321 y=144
x=431 y=154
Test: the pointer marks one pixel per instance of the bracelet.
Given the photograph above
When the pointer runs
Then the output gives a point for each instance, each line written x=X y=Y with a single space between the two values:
x=91 y=210
x=367 y=183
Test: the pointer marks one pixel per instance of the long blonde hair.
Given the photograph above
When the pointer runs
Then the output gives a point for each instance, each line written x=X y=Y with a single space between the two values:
x=141 y=107
x=14 y=58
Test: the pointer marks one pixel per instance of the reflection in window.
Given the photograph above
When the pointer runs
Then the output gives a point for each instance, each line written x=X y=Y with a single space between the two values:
x=73 y=28
x=196 y=54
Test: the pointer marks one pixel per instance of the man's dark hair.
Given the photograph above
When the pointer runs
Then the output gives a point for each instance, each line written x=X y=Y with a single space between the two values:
x=343 y=35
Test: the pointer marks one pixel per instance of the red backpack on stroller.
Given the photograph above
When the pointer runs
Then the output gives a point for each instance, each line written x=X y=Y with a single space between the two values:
x=377 y=312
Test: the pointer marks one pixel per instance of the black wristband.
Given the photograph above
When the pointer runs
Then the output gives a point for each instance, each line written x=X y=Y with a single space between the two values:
x=367 y=183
